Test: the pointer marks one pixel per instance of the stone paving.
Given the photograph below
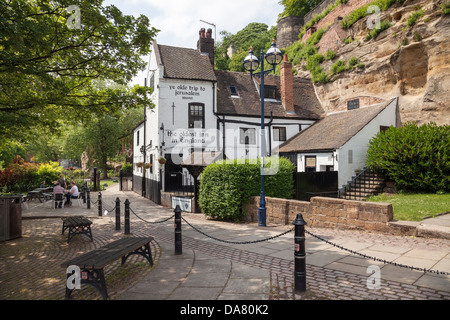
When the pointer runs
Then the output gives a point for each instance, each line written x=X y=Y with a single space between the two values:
x=213 y=270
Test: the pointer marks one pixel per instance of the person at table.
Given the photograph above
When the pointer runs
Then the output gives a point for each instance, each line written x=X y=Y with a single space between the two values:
x=72 y=194
x=62 y=182
x=58 y=193
x=43 y=185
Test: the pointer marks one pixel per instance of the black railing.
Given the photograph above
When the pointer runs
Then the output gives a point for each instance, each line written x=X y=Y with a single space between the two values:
x=365 y=183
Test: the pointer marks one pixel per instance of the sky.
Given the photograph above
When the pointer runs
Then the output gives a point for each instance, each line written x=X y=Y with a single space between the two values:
x=179 y=20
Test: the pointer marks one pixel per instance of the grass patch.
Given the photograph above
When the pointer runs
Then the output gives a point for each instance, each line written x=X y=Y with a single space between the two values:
x=415 y=206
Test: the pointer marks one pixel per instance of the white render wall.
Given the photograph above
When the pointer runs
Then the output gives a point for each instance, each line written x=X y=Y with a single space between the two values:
x=359 y=144
x=234 y=149
x=323 y=159
x=137 y=155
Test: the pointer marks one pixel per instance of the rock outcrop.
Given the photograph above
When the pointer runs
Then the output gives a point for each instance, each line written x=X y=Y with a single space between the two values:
x=412 y=63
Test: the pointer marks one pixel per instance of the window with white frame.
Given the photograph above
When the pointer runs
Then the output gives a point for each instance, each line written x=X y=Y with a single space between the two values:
x=247 y=136
x=279 y=133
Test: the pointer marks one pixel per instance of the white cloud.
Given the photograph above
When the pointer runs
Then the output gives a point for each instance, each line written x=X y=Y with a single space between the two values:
x=179 y=20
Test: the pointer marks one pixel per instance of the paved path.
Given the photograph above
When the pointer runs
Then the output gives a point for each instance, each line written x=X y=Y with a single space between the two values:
x=214 y=270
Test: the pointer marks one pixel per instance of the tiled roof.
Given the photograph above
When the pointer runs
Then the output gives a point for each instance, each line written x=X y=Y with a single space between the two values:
x=306 y=104
x=334 y=130
x=185 y=63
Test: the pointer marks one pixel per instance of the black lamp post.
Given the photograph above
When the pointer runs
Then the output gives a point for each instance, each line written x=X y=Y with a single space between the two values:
x=251 y=63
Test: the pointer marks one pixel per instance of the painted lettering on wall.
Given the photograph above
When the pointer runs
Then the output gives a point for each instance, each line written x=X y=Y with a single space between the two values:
x=187 y=91
x=188 y=136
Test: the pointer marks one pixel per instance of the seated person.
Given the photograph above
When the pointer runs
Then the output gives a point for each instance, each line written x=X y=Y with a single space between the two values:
x=58 y=193
x=73 y=193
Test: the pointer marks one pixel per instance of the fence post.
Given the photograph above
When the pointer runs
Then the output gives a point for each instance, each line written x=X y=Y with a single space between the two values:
x=100 y=204
x=117 y=213
x=88 y=198
x=300 y=254
x=127 y=216
x=178 y=239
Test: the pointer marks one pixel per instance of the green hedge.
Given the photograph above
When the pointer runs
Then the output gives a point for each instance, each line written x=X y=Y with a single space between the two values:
x=415 y=157
x=226 y=186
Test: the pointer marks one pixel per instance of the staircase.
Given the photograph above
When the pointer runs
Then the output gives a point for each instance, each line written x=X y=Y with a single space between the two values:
x=366 y=183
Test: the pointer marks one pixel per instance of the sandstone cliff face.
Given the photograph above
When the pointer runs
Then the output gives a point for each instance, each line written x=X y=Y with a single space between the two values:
x=411 y=63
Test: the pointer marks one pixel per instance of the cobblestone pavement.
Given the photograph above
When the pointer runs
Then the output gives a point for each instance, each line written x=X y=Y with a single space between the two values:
x=30 y=266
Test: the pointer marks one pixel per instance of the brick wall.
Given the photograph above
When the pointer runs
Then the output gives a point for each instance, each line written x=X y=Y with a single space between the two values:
x=325 y=212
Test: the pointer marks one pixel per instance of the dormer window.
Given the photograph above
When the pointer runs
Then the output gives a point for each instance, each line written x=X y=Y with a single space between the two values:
x=233 y=91
x=270 y=92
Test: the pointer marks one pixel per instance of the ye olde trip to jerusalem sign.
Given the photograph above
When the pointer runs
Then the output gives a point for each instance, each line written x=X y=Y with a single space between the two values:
x=187 y=91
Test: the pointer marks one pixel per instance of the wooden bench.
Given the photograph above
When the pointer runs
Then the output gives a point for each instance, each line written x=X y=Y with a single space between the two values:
x=77 y=225
x=91 y=264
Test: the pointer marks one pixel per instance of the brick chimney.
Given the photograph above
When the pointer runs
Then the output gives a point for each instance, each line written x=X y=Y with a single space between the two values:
x=205 y=43
x=287 y=85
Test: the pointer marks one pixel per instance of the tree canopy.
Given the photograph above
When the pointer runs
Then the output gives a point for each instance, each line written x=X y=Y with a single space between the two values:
x=256 y=35
x=297 y=7
x=50 y=57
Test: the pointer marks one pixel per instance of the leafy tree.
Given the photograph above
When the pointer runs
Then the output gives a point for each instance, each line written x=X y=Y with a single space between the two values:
x=297 y=7
x=103 y=137
x=47 y=65
x=255 y=35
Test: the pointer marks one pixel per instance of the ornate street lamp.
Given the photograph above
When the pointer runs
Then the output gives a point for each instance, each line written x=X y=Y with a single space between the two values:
x=251 y=63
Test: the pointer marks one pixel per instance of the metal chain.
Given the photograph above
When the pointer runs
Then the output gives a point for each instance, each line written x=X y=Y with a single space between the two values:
x=286 y=232
x=376 y=259
x=152 y=222
x=236 y=242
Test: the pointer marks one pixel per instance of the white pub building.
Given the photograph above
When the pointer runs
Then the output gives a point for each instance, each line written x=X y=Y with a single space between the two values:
x=212 y=114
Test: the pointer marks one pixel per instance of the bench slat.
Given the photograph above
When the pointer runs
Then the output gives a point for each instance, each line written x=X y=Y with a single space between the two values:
x=101 y=257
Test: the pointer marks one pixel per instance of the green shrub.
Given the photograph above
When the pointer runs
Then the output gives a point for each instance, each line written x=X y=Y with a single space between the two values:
x=353 y=61
x=226 y=186
x=445 y=8
x=127 y=168
x=373 y=34
x=361 y=12
x=49 y=172
x=339 y=66
x=21 y=176
x=413 y=17
x=415 y=157
x=330 y=55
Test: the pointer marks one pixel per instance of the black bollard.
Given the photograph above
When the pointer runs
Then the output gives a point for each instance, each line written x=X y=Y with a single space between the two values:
x=117 y=213
x=83 y=192
x=178 y=239
x=88 y=198
x=127 y=216
x=99 y=204
x=300 y=255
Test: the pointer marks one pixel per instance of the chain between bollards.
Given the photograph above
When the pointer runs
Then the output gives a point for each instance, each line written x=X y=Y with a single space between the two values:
x=300 y=254
x=178 y=239
x=127 y=216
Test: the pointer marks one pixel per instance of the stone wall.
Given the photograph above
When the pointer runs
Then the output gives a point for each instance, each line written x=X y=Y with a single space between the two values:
x=288 y=29
x=325 y=212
